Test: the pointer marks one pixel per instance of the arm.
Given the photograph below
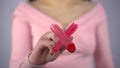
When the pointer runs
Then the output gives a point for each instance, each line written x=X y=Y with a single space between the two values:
x=102 y=55
x=21 y=43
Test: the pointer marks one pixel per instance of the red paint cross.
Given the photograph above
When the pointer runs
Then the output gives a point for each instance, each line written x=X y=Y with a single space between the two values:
x=64 y=37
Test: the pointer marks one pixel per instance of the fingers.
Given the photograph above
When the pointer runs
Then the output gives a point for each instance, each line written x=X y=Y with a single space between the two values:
x=51 y=37
x=47 y=43
x=49 y=40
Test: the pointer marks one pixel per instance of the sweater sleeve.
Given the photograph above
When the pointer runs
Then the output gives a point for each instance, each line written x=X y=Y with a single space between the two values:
x=21 y=43
x=102 y=55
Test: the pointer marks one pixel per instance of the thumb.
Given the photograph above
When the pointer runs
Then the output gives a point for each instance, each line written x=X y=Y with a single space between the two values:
x=43 y=54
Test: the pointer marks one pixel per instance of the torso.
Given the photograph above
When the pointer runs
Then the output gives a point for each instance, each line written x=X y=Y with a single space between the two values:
x=65 y=15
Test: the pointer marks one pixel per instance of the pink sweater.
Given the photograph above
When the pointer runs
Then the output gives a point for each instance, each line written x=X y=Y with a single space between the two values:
x=91 y=39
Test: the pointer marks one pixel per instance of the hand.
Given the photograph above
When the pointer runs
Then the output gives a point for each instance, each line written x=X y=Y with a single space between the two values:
x=42 y=53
